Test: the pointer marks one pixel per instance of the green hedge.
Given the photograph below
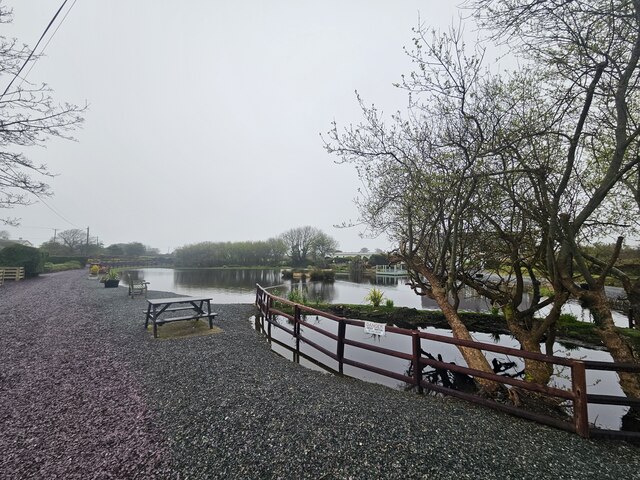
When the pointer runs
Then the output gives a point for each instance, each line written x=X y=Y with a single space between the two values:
x=59 y=267
x=21 y=256
x=58 y=259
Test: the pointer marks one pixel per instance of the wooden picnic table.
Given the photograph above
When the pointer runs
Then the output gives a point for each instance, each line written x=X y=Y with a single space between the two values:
x=200 y=307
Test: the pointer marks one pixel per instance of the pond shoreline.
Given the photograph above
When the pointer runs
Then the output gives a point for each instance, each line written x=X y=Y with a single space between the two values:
x=577 y=333
x=229 y=285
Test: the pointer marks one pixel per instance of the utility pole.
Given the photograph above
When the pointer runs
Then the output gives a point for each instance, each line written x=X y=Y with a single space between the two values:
x=55 y=232
x=87 y=248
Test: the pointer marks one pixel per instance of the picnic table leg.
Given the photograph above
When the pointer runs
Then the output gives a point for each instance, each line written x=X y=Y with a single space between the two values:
x=197 y=310
x=155 y=325
x=209 y=315
x=146 y=320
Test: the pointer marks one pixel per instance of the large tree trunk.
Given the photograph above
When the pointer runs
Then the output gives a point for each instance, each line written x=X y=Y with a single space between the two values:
x=595 y=299
x=621 y=352
x=633 y=295
x=475 y=358
x=535 y=371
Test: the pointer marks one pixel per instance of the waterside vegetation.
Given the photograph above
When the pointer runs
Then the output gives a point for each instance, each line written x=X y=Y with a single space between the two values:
x=570 y=330
x=514 y=171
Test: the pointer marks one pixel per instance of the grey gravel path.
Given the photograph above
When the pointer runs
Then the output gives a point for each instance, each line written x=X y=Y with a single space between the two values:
x=85 y=392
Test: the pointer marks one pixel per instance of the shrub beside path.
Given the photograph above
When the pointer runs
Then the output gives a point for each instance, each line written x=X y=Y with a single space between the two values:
x=85 y=393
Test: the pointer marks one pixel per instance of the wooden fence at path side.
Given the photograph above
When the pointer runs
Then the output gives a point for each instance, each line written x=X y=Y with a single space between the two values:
x=271 y=306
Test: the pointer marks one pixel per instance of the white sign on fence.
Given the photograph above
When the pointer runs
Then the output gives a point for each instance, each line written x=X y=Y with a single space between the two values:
x=374 y=328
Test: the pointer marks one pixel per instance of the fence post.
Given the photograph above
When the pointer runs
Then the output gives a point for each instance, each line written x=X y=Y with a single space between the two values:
x=267 y=315
x=296 y=326
x=342 y=328
x=580 y=403
x=417 y=353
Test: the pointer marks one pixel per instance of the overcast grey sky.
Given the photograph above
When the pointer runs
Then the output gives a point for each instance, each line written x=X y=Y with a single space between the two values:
x=204 y=116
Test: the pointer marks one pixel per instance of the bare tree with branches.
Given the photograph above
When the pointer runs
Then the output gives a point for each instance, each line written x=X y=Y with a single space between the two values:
x=29 y=116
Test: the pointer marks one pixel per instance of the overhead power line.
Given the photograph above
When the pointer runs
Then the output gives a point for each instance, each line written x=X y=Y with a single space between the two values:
x=38 y=227
x=44 y=202
x=34 y=49
x=49 y=41
x=55 y=211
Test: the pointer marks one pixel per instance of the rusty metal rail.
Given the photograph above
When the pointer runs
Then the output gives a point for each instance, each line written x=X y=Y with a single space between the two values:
x=578 y=395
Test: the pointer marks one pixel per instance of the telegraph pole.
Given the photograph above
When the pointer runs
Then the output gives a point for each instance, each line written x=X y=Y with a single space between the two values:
x=87 y=250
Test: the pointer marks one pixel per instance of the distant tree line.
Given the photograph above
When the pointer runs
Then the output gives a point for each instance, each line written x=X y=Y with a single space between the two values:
x=73 y=242
x=243 y=254
x=131 y=249
x=297 y=247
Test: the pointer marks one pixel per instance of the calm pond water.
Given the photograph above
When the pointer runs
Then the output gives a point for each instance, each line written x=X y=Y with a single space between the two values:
x=238 y=286
x=231 y=285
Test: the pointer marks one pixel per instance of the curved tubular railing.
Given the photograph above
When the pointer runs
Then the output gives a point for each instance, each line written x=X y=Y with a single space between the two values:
x=266 y=303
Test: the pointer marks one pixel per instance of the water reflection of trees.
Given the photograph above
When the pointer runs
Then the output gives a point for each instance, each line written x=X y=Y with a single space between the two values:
x=469 y=301
x=315 y=292
x=226 y=278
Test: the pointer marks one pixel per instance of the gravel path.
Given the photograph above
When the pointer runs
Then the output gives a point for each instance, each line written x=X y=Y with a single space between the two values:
x=86 y=393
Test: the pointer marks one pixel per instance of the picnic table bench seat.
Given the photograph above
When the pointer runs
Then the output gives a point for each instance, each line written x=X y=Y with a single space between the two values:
x=164 y=320
x=176 y=309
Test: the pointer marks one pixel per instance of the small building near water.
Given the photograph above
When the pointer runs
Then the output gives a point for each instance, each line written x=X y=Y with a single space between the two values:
x=399 y=270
